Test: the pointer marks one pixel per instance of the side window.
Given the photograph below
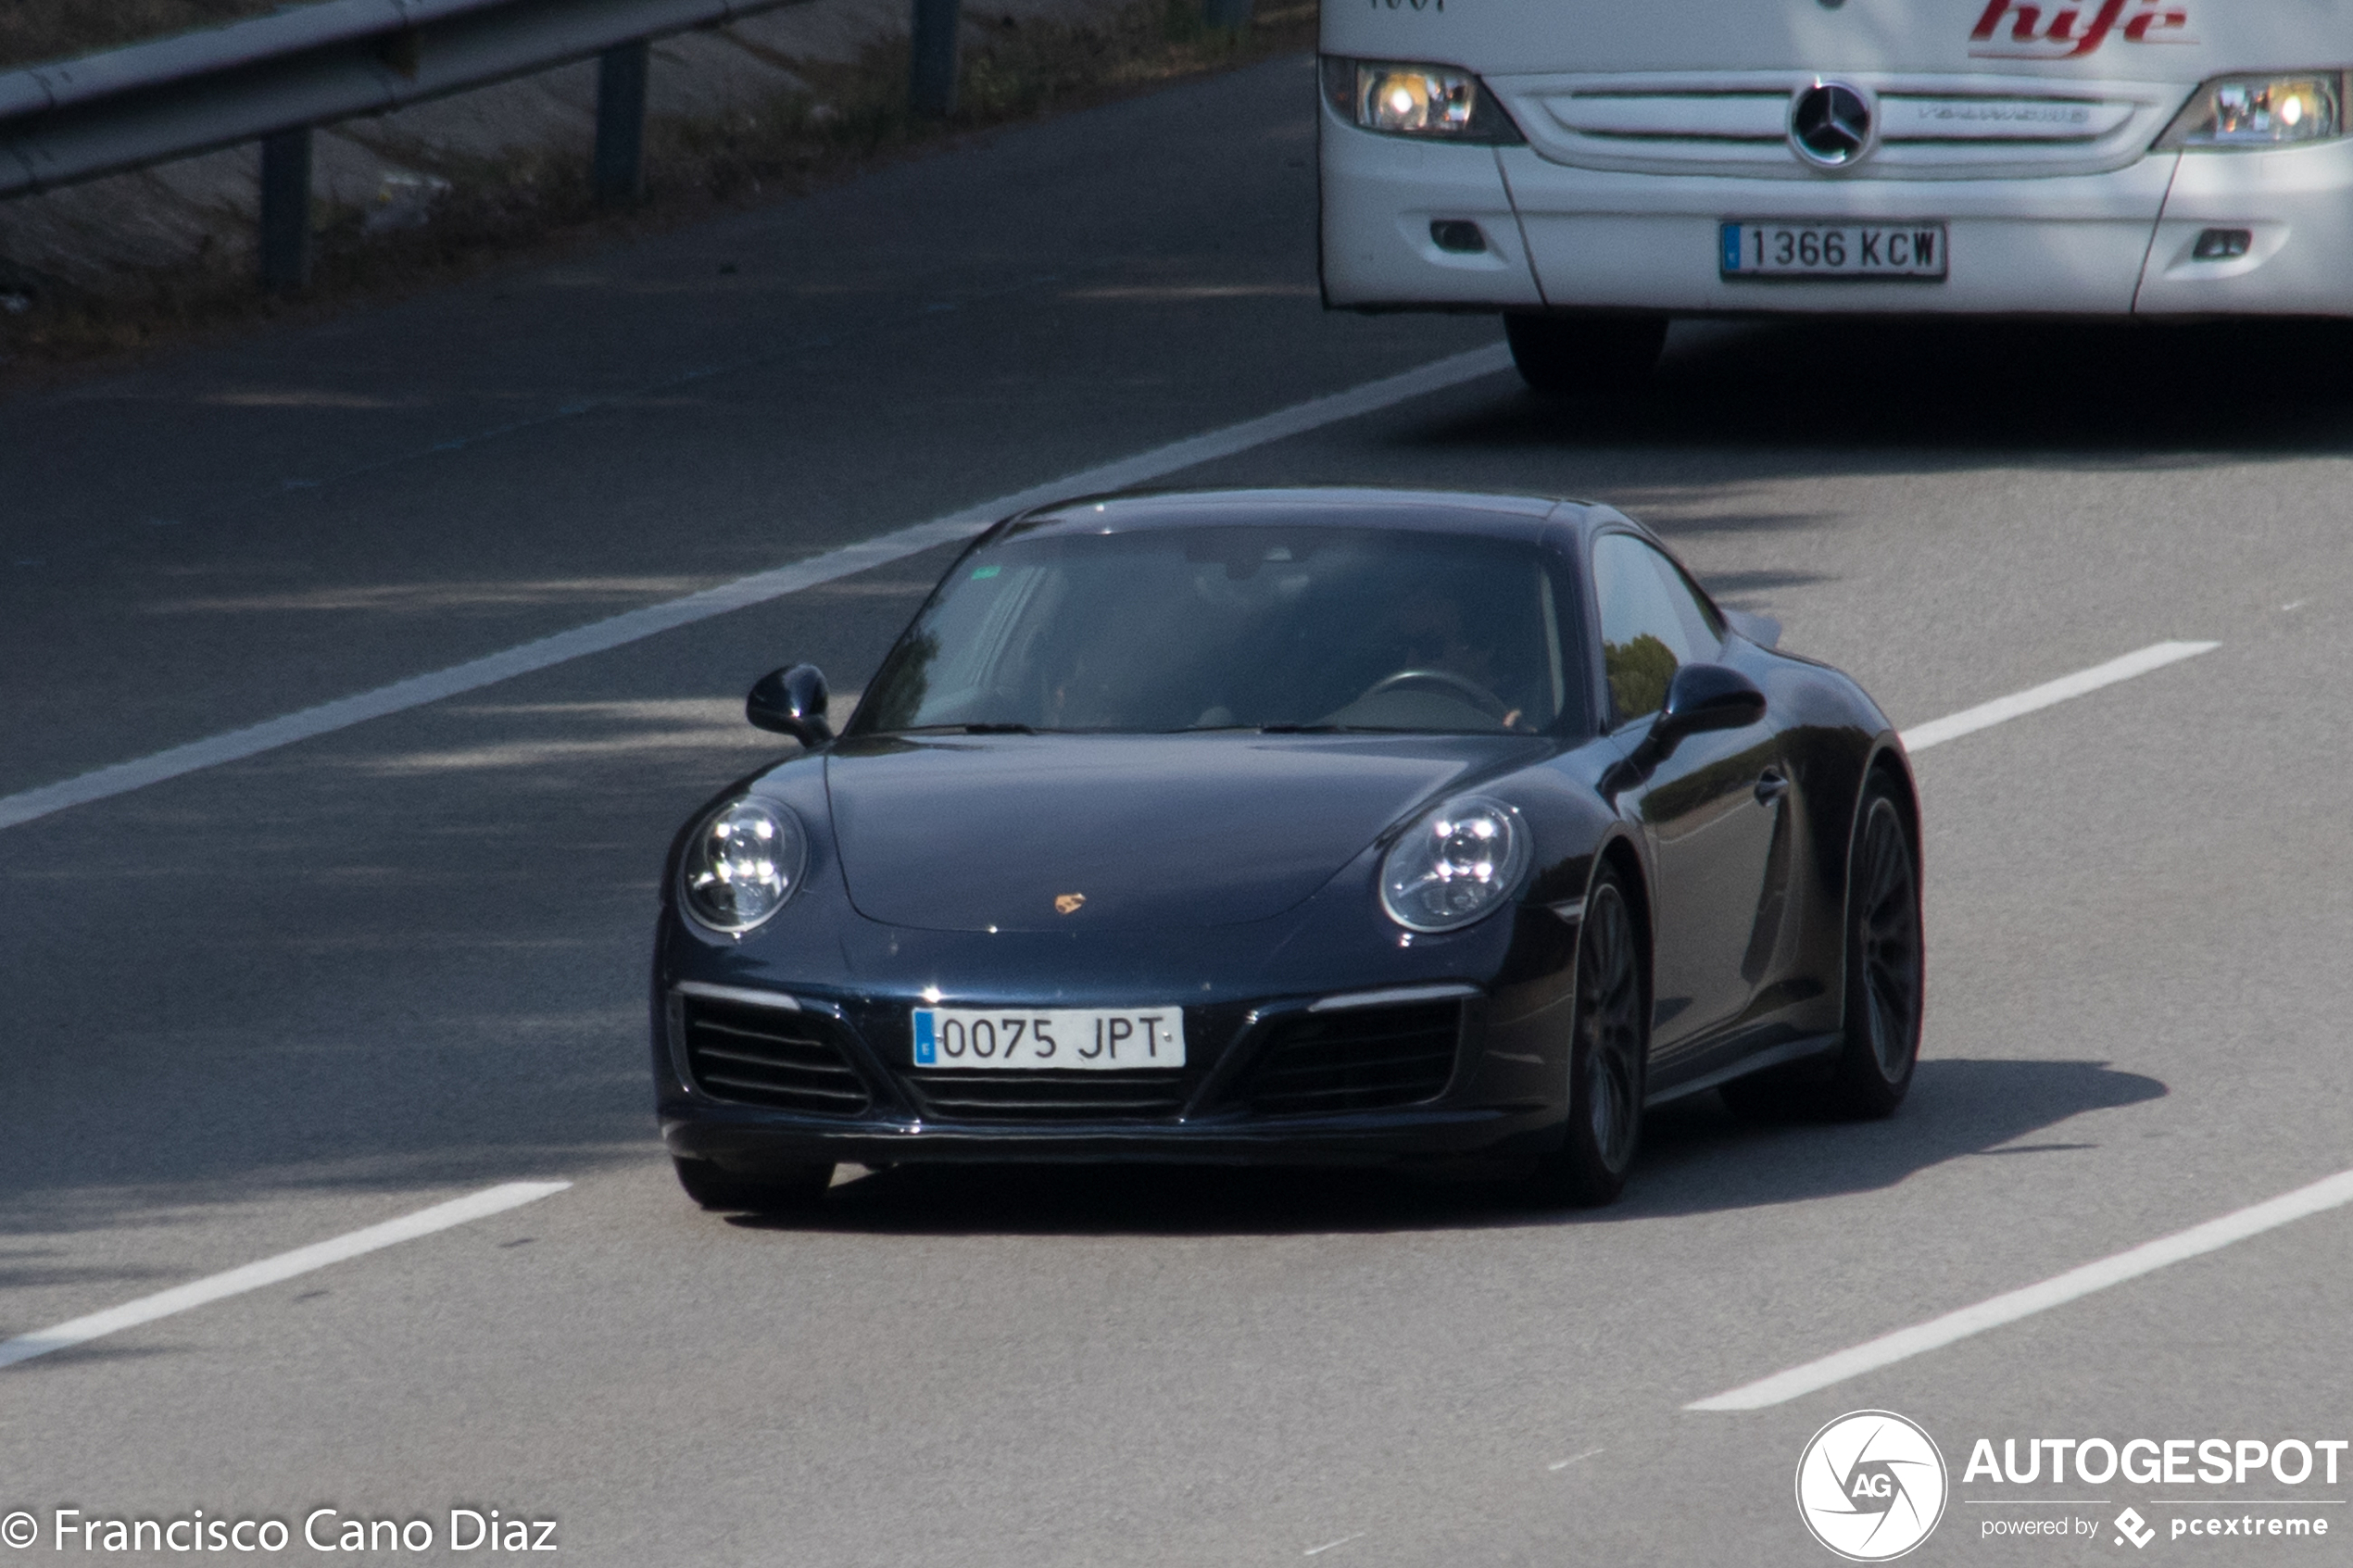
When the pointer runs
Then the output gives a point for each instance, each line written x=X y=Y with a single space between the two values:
x=1699 y=617
x=1651 y=623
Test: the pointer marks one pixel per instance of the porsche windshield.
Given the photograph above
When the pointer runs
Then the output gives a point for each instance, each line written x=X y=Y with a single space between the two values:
x=1210 y=628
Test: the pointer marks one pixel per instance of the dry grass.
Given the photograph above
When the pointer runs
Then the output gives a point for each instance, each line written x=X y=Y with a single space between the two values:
x=33 y=31
x=852 y=118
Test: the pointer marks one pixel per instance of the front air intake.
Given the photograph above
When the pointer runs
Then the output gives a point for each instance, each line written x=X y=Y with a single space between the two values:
x=773 y=1057
x=1364 y=1058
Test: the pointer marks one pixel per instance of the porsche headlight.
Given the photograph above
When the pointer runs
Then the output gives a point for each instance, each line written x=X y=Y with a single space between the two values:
x=1440 y=101
x=2261 y=111
x=1454 y=865
x=743 y=863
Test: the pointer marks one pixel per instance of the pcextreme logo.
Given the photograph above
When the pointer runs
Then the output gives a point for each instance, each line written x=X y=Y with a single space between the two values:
x=1870 y=1485
x=2056 y=31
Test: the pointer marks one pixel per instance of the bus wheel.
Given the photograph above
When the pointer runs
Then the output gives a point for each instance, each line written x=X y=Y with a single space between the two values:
x=1565 y=356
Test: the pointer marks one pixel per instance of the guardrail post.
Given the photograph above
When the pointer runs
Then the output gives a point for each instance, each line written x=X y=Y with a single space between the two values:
x=931 y=84
x=1231 y=15
x=285 y=211
x=621 y=123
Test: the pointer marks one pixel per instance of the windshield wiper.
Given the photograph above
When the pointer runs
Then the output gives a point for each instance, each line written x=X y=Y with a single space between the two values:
x=983 y=729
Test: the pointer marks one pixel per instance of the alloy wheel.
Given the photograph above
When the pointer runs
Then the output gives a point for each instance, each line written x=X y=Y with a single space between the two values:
x=1609 y=1003
x=1887 y=932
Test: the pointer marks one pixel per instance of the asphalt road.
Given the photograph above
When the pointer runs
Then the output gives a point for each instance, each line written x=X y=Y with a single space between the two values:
x=271 y=1002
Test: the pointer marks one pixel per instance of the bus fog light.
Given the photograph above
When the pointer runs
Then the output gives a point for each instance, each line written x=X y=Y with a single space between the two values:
x=1457 y=234
x=2222 y=244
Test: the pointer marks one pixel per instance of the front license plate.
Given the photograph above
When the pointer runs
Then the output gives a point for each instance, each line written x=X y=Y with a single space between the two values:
x=1091 y=1040
x=1758 y=249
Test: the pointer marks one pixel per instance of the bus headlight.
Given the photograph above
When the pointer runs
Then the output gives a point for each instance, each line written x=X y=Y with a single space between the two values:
x=1442 y=103
x=2285 y=110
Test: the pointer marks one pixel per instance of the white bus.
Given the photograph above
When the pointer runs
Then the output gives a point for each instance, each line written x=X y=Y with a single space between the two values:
x=1590 y=167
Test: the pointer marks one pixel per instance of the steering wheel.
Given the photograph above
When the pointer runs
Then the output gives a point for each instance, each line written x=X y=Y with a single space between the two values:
x=1461 y=686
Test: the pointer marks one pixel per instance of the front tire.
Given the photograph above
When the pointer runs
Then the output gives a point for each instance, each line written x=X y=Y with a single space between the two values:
x=780 y=1190
x=1565 y=355
x=1609 y=1047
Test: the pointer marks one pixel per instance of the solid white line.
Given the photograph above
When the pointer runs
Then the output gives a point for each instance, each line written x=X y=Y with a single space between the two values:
x=1565 y=1463
x=1318 y=1551
x=1968 y=721
x=637 y=624
x=270 y=1270
x=2147 y=1258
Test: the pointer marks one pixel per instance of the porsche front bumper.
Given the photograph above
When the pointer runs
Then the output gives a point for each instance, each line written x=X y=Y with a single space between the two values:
x=750 y=1079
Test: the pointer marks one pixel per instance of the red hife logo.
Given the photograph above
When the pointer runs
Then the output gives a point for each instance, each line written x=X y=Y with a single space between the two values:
x=2049 y=31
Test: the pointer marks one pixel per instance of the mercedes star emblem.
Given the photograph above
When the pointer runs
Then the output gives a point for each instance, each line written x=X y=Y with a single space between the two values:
x=1830 y=124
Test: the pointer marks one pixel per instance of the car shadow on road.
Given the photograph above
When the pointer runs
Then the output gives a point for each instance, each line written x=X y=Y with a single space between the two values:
x=1699 y=1157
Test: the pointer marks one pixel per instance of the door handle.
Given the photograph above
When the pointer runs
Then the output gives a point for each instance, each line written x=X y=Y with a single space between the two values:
x=1771 y=786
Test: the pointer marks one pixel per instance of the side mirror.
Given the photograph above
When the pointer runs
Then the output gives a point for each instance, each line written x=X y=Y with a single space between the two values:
x=791 y=701
x=1708 y=697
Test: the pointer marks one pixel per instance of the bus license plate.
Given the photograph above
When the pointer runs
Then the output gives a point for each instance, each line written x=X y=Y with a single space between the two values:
x=1759 y=249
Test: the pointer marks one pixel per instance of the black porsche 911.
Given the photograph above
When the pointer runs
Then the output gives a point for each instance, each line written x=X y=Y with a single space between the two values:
x=1291 y=826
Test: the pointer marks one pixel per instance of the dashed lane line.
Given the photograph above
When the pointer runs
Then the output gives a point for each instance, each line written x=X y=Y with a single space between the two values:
x=270 y=1270
x=1985 y=715
x=2010 y=1307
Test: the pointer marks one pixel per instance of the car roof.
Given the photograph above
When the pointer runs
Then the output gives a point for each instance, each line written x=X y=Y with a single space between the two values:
x=1528 y=517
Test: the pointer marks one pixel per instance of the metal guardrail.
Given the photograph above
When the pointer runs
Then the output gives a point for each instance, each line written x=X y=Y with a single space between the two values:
x=275 y=78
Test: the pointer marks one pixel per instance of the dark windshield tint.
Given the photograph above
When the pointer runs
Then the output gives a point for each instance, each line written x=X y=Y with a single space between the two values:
x=1219 y=628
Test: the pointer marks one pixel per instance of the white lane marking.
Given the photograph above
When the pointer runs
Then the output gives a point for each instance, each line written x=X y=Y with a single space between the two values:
x=1565 y=1463
x=1316 y=1551
x=637 y=624
x=270 y=1270
x=1985 y=715
x=2333 y=1192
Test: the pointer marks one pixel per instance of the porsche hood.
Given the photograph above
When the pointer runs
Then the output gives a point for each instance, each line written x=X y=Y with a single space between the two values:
x=1054 y=833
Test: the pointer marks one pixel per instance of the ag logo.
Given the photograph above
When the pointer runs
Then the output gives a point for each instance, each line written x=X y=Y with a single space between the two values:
x=1870 y=1485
